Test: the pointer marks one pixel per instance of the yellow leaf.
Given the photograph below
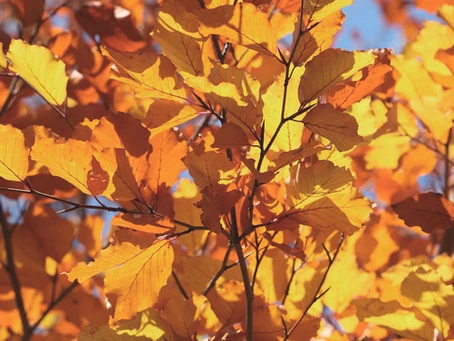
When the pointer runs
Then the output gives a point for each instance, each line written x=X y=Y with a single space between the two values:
x=71 y=160
x=150 y=74
x=316 y=10
x=414 y=80
x=289 y=136
x=446 y=12
x=433 y=36
x=338 y=127
x=328 y=69
x=163 y=115
x=143 y=222
x=432 y=112
x=386 y=151
x=184 y=200
x=209 y=169
x=426 y=290
x=176 y=31
x=393 y=316
x=14 y=159
x=274 y=272
x=165 y=160
x=322 y=196
x=38 y=67
x=243 y=24
x=317 y=39
x=343 y=289
x=90 y=234
x=133 y=275
x=3 y=61
x=148 y=325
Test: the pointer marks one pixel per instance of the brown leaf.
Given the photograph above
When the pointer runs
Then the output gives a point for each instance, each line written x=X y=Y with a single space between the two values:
x=430 y=210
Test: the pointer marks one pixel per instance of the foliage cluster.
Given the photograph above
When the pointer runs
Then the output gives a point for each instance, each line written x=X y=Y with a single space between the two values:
x=197 y=169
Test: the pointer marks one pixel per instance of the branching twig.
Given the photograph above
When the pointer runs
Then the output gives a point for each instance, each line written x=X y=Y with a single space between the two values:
x=223 y=268
x=51 y=306
x=317 y=294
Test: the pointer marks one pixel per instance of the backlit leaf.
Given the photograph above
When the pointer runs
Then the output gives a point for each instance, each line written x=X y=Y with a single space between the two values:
x=243 y=24
x=133 y=275
x=322 y=196
x=318 y=9
x=338 y=127
x=425 y=288
x=150 y=74
x=328 y=69
x=14 y=158
x=47 y=77
x=176 y=31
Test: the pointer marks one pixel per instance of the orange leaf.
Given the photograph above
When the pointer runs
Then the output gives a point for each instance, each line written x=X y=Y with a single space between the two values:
x=430 y=210
x=230 y=136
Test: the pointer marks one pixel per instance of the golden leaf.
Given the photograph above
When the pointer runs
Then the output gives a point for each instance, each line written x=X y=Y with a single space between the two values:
x=133 y=275
x=243 y=24
x=328 y=69
x=338 y=127
x=38 y=67
x=14 y=158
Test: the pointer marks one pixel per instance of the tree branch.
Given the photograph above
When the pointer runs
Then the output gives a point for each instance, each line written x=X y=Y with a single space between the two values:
x=11 y=269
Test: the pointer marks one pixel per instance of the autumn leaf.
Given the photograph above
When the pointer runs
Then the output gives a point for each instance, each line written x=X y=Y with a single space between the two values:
x=150 y=74
x=430 y=210
x=322 y=196
x=320 y=9
x=394 y=317
x=242 y=23
x=176 y=31
x=317 y=39
x=328 y=69
x=47 y=77
x=14 y=158
x=338 y=127
x=71 y=161
x=129 y=272
x=147 y=324
x=425 y=288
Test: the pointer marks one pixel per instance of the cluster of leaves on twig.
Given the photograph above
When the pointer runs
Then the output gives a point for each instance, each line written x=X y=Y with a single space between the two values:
x=228 y=147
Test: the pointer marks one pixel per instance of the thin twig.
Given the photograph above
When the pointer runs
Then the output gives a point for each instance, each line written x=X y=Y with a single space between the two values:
x=51 y=306
x=223 y=268
x=179 y=285
x=317 y=294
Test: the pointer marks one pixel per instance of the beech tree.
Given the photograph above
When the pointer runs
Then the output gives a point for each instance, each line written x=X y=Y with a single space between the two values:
x=216 y=170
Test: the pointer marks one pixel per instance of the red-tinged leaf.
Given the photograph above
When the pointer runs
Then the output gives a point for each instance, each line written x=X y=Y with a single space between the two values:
x=431 y=211
x=375 y=77
x=113 y=24
x=230 y=136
